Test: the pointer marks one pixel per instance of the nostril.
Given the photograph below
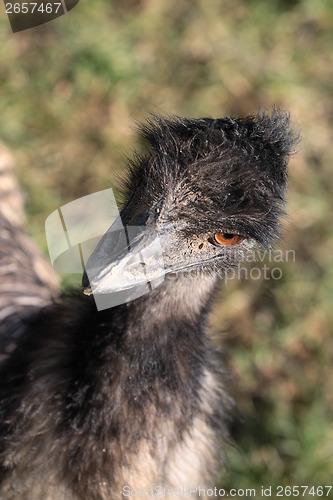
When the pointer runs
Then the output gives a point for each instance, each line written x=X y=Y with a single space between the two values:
x=201 y=246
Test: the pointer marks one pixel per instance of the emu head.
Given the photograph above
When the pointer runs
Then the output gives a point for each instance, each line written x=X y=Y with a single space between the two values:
x=209 y=190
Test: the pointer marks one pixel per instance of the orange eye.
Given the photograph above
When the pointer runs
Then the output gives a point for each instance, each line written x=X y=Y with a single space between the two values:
x=227 y=239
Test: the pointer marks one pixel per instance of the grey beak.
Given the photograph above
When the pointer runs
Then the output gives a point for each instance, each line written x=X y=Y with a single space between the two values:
x=124 y=259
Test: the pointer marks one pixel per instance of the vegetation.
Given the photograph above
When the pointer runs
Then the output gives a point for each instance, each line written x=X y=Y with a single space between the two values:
x=70 y=93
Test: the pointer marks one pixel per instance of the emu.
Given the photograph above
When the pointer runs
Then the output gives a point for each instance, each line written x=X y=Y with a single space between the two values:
x=133 y=396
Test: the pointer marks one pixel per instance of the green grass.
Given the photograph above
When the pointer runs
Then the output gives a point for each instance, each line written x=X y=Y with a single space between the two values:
x=70 y=94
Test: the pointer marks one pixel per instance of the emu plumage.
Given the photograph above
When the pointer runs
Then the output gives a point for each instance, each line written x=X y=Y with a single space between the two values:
x=92 y=401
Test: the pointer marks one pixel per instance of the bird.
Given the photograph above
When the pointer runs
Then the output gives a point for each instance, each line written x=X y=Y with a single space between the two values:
x=101 y=404
x=28 y=281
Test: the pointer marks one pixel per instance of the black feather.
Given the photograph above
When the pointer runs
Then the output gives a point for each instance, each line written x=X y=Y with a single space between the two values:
x=93 y=401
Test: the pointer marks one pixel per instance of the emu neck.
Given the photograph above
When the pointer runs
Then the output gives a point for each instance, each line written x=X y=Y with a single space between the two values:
x=153 y=371
x=182 y=300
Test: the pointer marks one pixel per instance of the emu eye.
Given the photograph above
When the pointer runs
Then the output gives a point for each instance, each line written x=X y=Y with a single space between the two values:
x=227 y=239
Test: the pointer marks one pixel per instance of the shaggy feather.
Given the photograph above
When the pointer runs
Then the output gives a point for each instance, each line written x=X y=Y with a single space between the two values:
x=93 y=401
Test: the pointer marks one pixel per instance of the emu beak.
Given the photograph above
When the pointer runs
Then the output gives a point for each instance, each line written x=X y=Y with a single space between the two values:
x=124 y=259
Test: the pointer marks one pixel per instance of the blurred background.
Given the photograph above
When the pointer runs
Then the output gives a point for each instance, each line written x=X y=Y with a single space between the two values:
x=71 y=92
